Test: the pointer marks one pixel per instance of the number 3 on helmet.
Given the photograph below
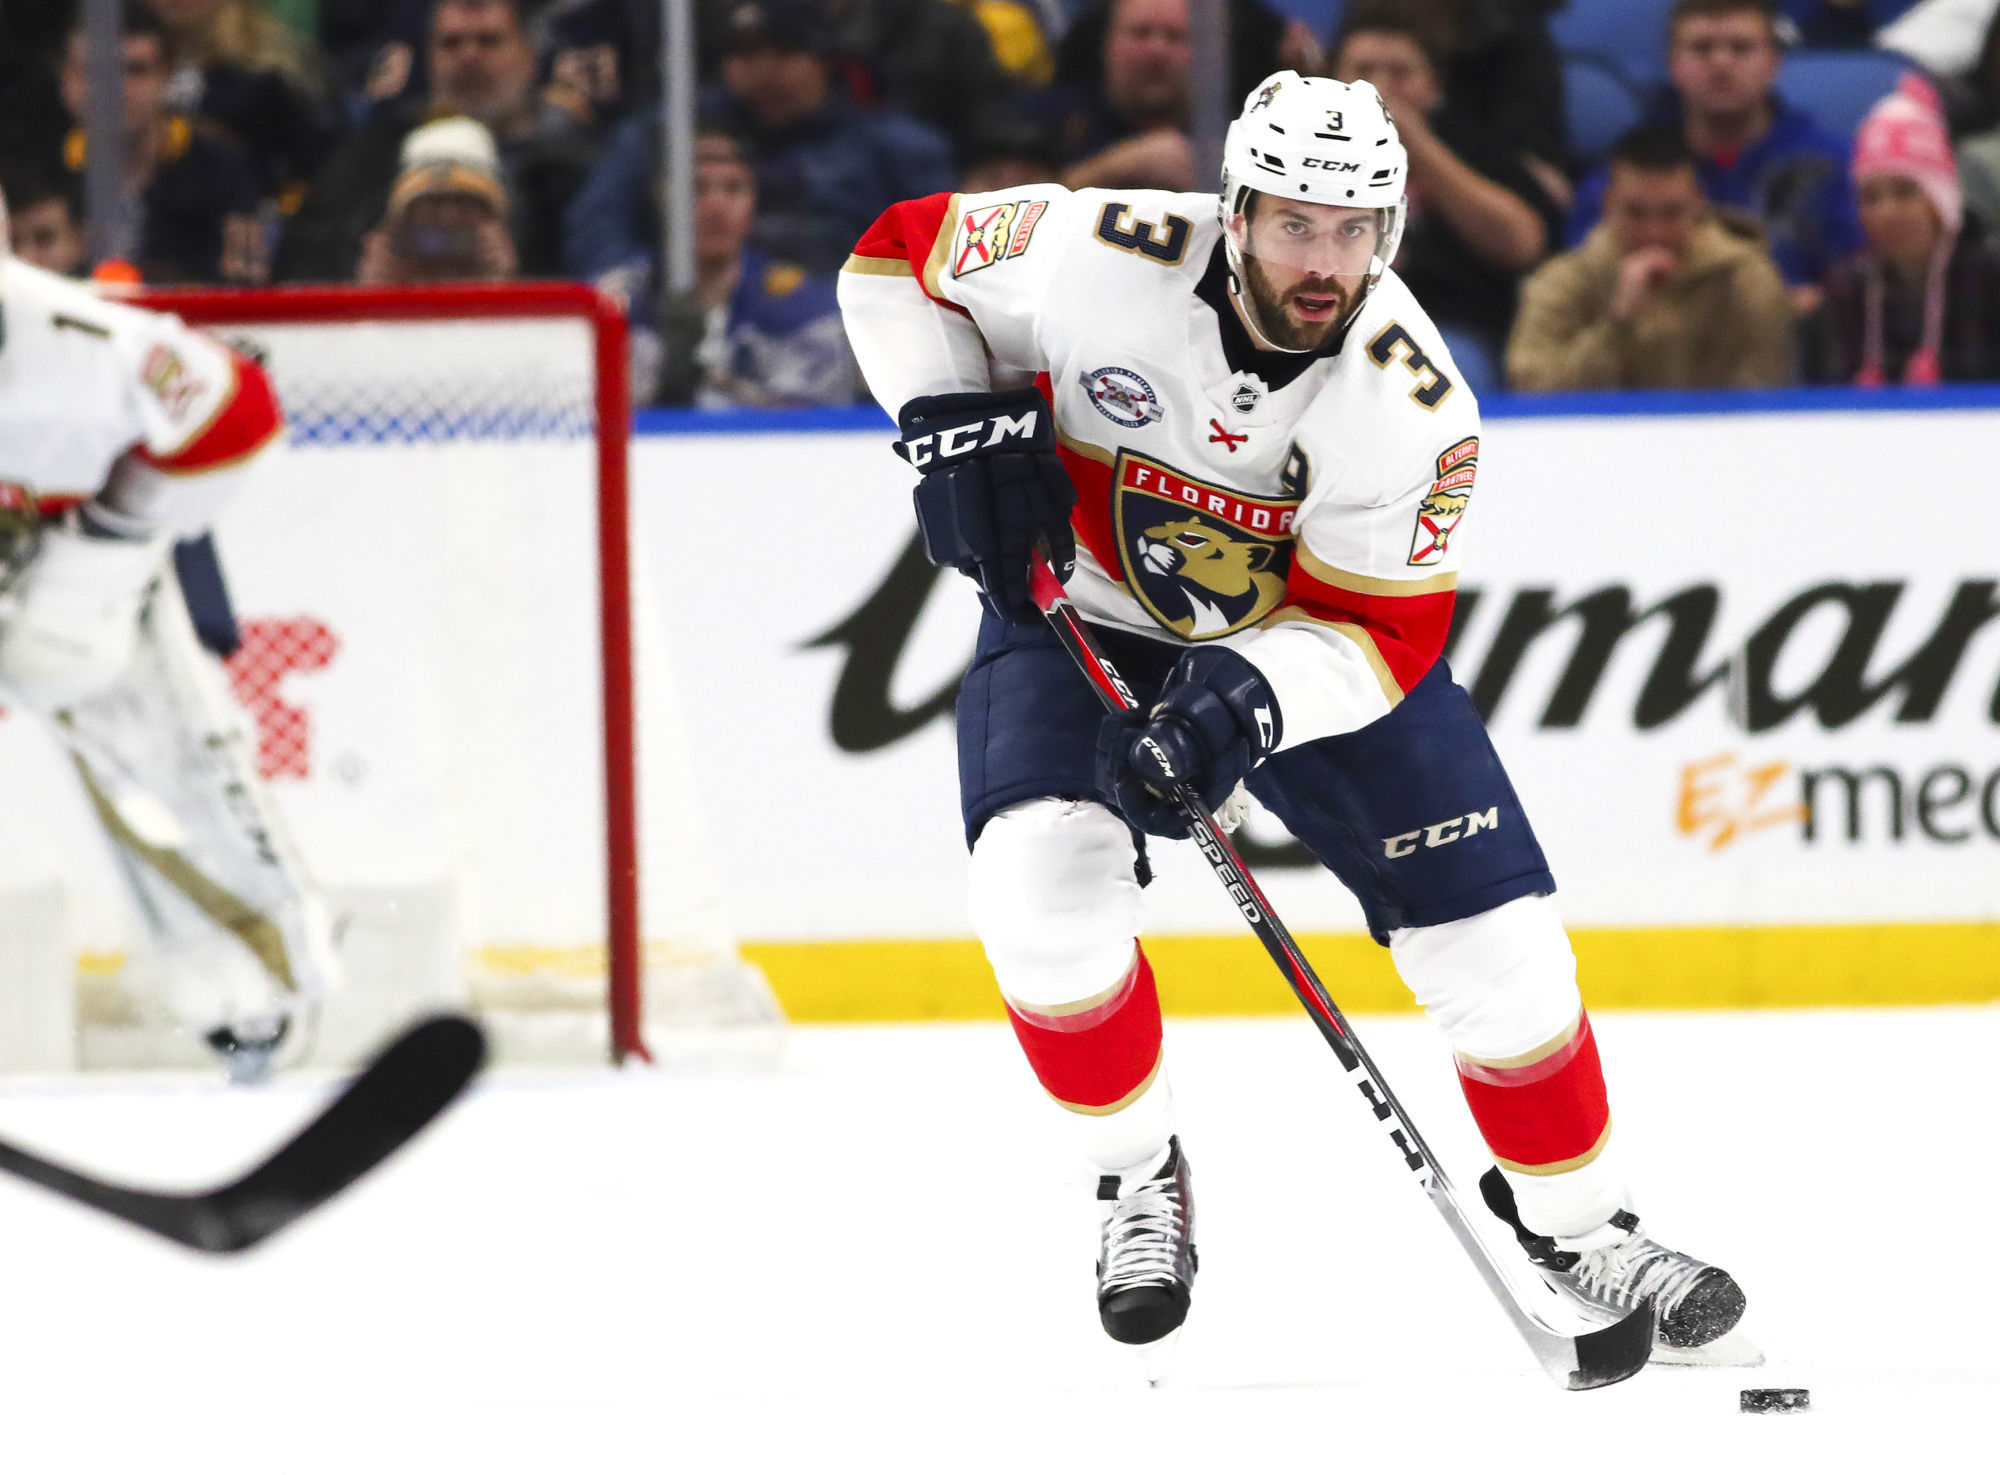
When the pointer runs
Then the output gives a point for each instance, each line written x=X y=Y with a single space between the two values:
x=1319 y=141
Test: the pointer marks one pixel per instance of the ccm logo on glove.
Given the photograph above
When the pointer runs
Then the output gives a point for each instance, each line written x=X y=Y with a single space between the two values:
x=962 y=440
x=993 y=491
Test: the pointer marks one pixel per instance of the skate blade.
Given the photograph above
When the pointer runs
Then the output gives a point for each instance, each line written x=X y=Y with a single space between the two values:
x=1733 y=1349
x=1156 y=1359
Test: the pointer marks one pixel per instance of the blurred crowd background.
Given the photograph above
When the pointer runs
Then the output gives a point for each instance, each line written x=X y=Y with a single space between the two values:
x=1604 y=193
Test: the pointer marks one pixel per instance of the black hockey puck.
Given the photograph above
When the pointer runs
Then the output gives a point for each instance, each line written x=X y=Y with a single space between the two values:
x=1774 y=1400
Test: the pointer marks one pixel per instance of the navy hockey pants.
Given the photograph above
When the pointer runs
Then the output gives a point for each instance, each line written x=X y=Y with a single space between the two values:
x=1413 y=813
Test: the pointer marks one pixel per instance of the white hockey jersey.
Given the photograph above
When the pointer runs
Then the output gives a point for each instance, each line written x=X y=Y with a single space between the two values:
x=1300 y=509
x=97 y=394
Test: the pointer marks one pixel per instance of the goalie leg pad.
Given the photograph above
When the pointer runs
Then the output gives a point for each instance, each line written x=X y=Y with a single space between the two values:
x=1502 y=986
x=1057 y=905
x=238 y=932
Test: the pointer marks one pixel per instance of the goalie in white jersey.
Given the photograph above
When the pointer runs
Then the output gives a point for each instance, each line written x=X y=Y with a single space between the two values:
x=122 y=432
x=1257 y=457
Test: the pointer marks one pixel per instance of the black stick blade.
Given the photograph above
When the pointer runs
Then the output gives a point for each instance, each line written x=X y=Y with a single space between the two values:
x=1614 y=1353
x=399 y=1094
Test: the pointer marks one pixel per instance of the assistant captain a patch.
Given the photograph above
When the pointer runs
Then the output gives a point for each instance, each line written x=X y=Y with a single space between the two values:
x=1203 y=560
x=1444 y=504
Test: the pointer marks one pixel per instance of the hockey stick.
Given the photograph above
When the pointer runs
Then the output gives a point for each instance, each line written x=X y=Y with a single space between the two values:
x=397 y=1096
x=1593 y=1359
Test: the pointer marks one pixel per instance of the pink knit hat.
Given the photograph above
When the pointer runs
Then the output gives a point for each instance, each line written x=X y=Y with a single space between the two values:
x=1905 y=134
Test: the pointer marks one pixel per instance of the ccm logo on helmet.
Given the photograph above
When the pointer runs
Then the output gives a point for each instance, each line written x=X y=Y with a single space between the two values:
x=1444 y=832
x=1337 y=166
x=961 y=440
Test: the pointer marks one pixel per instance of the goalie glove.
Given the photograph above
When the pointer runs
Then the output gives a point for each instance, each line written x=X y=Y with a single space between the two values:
x=1216 y=719
x=993 y=488
x=75 y=615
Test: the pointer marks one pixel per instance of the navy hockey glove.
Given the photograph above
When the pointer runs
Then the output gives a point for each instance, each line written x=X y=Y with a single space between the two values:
x=1216 y=719
x=993 y=485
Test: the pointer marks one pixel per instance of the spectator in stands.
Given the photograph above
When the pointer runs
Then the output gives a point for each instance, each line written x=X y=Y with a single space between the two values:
x=1478 y=219
x=1838 y=24
x=32 y=117
x=771 y=330
x=603 y=56
x=45 y=220
x=1501 y=65
x=447 y=215
x=1754 y=151
x=825 y=168
x=1920 y=304
x=1120 y=117
x=1942 y=36
x=1979 y=150
x=194 y=195
x=1008 y=151
x=240 y=69
x=930 y=58
x=480 y=67
x=1664 y=294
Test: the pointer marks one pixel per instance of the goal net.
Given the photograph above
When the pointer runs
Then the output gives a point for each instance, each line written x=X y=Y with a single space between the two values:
x=463 y=700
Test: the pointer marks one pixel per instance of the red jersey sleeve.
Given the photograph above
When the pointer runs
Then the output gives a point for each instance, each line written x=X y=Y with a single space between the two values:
x=1399 y=624
x=909 y=239
x=247 y=419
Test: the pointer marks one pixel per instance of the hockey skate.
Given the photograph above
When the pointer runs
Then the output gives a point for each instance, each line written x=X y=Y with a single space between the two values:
x=1146 y=1257
x=1614 y=1268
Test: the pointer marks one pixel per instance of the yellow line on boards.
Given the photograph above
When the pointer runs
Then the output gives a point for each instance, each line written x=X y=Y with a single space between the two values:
x=1619 y=968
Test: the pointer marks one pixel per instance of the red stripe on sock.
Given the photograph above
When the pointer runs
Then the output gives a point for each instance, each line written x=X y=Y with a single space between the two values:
x=1544 y=1113
x=1099 y=1056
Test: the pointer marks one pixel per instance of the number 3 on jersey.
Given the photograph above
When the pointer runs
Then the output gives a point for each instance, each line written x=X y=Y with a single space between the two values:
x=1167 y=247
x=1432 y=385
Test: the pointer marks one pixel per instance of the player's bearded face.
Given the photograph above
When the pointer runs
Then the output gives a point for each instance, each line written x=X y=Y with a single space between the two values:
x=1305 y=266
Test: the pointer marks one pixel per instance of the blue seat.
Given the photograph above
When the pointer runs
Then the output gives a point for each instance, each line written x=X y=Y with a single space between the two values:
x=1839 y=87
x=1599 y=108
x=1629 y=36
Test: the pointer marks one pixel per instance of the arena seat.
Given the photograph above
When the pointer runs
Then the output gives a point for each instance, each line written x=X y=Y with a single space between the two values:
x=1839 y=87
x=1599 y=108
x=1629 y=36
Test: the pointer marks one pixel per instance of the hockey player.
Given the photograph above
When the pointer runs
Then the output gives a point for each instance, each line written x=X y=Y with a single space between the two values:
x=1249 y=452
x=121 y=432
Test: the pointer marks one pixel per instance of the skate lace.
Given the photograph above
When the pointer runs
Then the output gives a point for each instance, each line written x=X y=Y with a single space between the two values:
x=1142 y=1237
x=1625 y=1274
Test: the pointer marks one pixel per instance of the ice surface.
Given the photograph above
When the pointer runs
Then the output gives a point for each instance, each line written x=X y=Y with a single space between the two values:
x=877 y=1257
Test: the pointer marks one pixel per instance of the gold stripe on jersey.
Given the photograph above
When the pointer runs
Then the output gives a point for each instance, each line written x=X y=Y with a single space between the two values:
x=941 y=247
x=879 y=266
x=1085 y=449
x=1340 y=578
x=1291 y=614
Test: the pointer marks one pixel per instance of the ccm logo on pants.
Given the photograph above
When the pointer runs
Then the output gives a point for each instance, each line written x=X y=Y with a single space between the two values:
x=1441 y=833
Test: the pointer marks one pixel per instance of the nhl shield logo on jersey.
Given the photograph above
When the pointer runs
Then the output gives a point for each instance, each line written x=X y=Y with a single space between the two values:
x=994 y=234
x=1203 y=560
x=1122 y=397
x=1444 y=504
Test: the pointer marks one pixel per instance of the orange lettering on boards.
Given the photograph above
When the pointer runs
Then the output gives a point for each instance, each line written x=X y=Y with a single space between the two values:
x=1724 y=799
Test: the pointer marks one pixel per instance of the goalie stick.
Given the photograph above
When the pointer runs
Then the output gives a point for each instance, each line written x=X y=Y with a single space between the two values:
x=1592 y=1359
x=399 y=1094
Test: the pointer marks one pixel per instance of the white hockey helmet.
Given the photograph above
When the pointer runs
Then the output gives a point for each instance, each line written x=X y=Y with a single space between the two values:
x=1321 y=141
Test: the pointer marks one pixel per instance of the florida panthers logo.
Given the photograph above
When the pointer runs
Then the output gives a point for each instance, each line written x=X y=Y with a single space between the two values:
x=1203 y=560
x=1444 y=504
